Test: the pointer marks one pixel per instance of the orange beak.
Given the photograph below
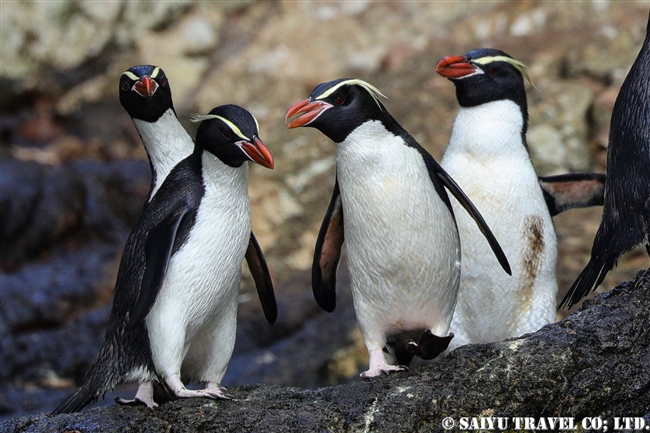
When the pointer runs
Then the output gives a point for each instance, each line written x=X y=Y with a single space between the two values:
x=304 y=112
x=258 y=153
x=146 y=87
x=454 y=67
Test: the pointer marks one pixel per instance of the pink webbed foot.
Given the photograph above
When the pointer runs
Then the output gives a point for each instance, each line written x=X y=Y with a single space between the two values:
x=212 y=390
x=379 y=366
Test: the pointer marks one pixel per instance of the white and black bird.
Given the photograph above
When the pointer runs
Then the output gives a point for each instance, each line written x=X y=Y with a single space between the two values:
x=146 y=95
x=401 y=238
x=488 y=156
x=625 y=222
x=175 y=302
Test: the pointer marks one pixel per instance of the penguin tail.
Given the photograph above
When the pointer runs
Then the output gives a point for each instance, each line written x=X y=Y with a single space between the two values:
x=77 y=401
x=591 y=277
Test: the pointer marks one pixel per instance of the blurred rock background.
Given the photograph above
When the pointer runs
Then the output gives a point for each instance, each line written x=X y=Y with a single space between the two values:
x=73 y=173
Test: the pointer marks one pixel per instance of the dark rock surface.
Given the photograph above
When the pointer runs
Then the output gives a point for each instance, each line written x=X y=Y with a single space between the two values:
x=596 y=362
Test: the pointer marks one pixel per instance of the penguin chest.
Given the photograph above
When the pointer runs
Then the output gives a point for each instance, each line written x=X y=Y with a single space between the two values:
x=401 y=239
x=203 y=278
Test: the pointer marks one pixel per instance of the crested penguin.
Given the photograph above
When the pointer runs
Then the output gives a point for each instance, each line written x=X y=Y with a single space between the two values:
x=174 y=307
x=146 y=95
x=625 y=221
x=402 y=243
x=488 y=156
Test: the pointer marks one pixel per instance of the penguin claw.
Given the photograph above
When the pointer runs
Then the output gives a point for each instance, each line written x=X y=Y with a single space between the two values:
x=219 y=392
x=221 y=396
x=211 y=393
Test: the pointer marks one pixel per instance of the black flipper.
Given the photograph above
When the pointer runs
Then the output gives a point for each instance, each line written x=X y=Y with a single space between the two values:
x=436 y=171
x=430 y=345
x=262 y=277
x=158 y=250
x=573 y=190
x=327 y=254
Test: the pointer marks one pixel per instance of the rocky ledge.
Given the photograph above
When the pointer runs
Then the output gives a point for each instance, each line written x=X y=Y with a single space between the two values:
x=594 y=363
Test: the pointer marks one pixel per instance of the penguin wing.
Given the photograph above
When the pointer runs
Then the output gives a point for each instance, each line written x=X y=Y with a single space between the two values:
x=437 y=172
x=262 y=277
x=327 y=254
x=573 y=190
x=158 y=250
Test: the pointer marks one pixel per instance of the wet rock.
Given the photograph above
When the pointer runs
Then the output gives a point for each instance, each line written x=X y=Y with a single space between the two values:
x=302 y=357
x=594 y=362
x=40 y=206
x=43 y=206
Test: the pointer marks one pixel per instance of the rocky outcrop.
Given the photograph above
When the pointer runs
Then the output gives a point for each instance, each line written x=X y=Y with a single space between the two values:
x=74 y=174
x=595 y=363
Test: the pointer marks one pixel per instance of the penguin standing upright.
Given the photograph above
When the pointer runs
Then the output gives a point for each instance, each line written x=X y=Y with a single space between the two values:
x=625 y=222
x=402 y=242
x=175 y=302
x=488 y=156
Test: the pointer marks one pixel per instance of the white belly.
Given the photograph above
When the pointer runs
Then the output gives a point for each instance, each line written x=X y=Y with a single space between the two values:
x=503 y=185
x=202 y=282
x=402 y=243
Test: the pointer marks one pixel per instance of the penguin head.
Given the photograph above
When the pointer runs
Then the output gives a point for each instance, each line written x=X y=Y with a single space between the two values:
x=230 y=132
x=338 y=107
x=145 y=93
x=485 y=75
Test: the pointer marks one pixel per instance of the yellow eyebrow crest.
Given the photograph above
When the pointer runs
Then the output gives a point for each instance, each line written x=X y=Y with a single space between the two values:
x=131 y=75
x=515 y=63
x=196 y=118
x=374 y=92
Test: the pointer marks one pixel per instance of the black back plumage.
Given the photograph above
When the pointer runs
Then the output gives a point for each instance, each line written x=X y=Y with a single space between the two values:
x=625 y=221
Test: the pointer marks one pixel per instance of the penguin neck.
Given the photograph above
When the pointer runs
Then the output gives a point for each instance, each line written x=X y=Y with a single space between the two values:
x=167 y=143
x=217 y=175
x=491 y=130
x=372 y=152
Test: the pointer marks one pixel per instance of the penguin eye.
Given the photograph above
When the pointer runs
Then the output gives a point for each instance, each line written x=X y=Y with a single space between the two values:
x=339 y=100
x=493 y=71
x=124 y=86
x=162 y=81
x=226 y=134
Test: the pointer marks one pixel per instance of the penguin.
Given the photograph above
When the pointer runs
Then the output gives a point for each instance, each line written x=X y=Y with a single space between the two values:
x=175 y=302
x=488 y=156
x=625 y=221
x=146 y=95
x=402 y=243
